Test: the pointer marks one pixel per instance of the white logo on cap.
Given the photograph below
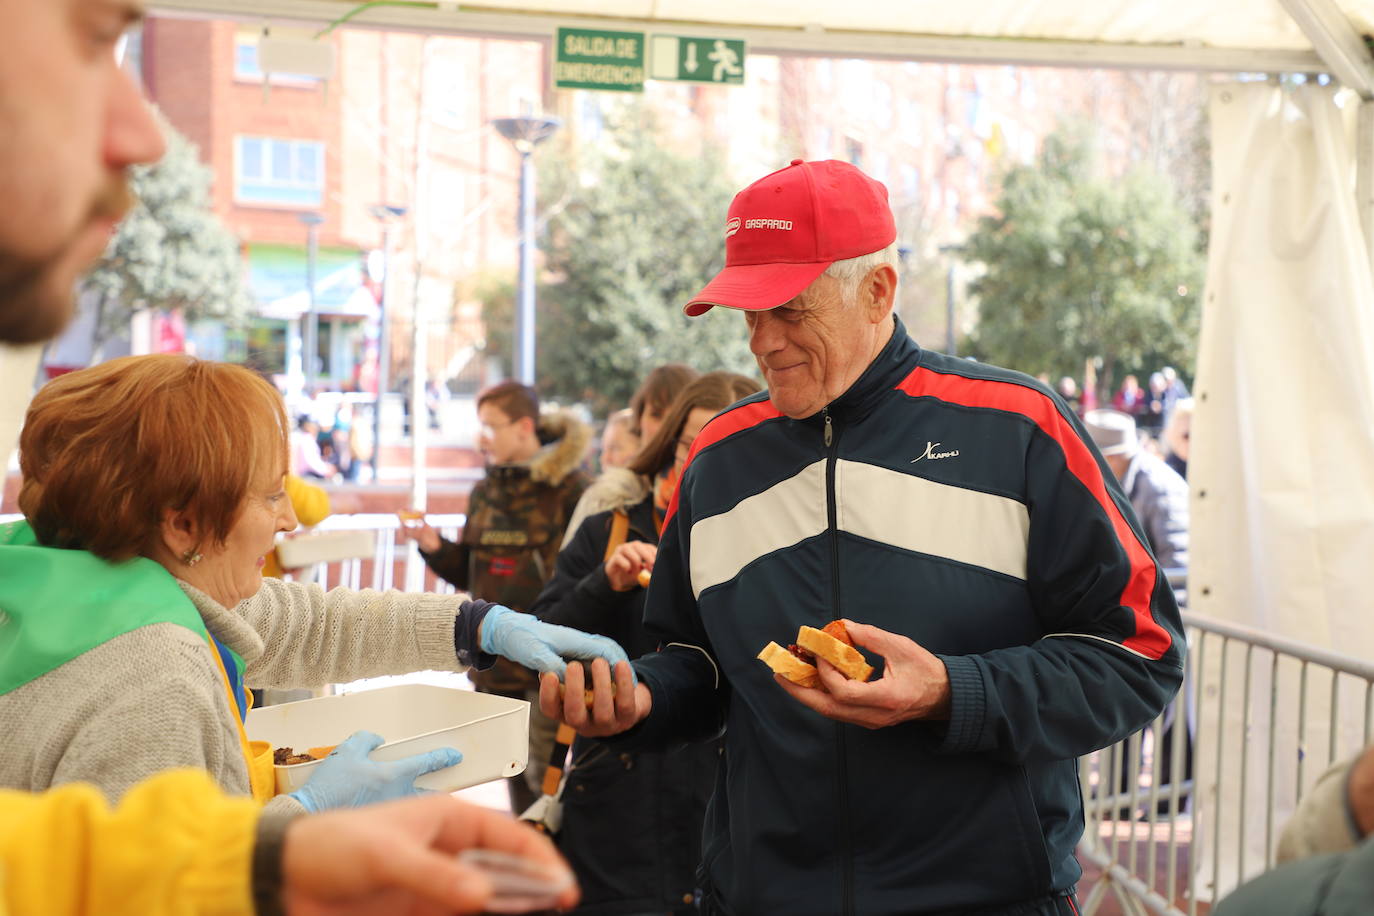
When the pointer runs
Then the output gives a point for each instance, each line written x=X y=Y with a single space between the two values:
x=731 y=226
x=784 y=224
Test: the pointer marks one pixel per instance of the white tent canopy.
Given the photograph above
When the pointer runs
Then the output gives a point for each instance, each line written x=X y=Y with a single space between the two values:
x=1250 y=35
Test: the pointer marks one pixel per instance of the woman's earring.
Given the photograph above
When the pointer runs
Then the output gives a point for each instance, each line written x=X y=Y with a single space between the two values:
x=191 y=557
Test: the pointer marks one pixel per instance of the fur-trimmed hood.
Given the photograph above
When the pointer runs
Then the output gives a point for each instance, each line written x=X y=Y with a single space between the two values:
x=565 y=439
x=616 y=488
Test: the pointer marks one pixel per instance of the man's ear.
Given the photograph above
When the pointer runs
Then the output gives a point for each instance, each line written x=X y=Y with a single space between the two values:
x=879 y=292
x=180 y=535
x=529 y=425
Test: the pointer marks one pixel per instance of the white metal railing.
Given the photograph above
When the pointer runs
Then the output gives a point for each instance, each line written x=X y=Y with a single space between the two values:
x=395 y=563
x=1263 y=717
x=1267 y=715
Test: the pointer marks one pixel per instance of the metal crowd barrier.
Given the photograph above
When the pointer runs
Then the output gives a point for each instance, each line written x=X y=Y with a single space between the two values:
x=395 y=563
x=1257 y=714
x=1264 y=717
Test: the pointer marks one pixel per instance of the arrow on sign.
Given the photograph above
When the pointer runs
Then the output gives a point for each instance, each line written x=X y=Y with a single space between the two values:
x=691 y=63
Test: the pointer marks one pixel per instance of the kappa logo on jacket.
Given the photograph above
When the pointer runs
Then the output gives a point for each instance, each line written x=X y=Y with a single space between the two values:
x=931 y=454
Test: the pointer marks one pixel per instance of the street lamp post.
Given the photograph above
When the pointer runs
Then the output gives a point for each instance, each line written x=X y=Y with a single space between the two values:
x=312 y=324
x=386 y=215
x=525 y=133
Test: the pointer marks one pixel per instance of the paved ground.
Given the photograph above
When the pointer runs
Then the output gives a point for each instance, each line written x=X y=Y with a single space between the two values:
x=1147 y=841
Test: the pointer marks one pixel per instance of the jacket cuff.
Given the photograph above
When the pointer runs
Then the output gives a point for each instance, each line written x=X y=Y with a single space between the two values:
x=465 y=644
x=967 y=706
x=268 y=845
x=436 y=620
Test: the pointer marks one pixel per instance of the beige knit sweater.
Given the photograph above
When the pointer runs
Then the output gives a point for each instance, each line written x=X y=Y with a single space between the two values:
x=154 y=699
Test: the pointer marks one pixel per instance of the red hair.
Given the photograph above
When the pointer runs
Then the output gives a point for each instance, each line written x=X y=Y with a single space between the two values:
x=107 y=450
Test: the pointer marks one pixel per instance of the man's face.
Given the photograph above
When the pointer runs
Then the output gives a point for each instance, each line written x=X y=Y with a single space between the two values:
x=812 y=348
x=72 y=122
x=502 y=440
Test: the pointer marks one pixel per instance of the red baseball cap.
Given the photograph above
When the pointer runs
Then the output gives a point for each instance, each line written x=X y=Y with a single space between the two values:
x=785 y=229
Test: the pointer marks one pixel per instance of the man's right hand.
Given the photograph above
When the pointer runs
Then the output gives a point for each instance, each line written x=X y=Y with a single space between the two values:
x=626 y=562
x=417 y=529
x=611 y=712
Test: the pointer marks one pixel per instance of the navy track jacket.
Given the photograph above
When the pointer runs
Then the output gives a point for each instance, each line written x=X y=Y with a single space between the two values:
x=965 y=507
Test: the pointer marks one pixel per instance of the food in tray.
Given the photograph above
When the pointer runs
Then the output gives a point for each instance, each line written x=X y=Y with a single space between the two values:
x=286 y=756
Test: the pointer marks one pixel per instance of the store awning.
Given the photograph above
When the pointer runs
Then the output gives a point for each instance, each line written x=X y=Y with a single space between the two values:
x=277 y=276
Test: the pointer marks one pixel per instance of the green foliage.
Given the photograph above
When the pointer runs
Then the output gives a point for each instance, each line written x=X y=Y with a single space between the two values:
x=631 y=231
x=171 y=252
x=1083 y=266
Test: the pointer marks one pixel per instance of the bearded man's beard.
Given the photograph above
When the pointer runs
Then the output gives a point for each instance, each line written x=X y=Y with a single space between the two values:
x=32 y=307
x=35 y=305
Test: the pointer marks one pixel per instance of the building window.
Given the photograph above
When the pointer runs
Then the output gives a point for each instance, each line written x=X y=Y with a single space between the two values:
x=286 y=173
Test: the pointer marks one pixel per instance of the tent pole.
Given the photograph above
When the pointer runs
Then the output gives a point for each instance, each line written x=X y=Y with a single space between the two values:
x=1364 y=173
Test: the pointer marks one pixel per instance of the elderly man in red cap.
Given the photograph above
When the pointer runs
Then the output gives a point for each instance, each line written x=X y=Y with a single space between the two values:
x=958 y=517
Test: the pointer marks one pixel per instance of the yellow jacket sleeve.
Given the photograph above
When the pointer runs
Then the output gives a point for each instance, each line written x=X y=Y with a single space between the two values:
x=175 y=846
x=310 y=502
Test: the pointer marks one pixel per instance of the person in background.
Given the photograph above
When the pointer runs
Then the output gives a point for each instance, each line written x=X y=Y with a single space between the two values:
x=1160 y=499
x=1130 y=397
x=74 y=123
x=1174 y=390
x=306 y=458
x=516 y=518
x=1325 y=854
x=631 y=822
x=648 y=407
x=1157 y=493
x=1178 y=433
x=619 y=441
x=655 y=395
x=1151 y=418
x=958 y=518
x=1068 y=390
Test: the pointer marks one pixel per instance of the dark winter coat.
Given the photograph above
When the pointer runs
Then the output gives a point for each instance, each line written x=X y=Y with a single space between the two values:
x=515 y=522
x=631 y=820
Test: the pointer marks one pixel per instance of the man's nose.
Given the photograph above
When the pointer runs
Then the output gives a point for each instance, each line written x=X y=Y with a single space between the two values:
x=763 y=336
x=132 y=135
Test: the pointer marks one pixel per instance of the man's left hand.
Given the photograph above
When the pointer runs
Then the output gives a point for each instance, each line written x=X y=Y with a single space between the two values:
x=914 y=685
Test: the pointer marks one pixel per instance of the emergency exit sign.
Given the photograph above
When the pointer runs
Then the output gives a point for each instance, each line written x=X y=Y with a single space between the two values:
x=697 y=60
x=597 y=59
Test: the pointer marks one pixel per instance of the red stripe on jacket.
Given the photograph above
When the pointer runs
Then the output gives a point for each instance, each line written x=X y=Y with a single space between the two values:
x=1150 y=638
x=722 y=427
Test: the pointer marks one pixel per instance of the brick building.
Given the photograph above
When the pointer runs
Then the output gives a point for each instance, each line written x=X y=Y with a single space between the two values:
x=404 y=121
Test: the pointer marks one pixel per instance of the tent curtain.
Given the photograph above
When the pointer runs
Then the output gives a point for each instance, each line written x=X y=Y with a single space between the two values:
x=1282 y=449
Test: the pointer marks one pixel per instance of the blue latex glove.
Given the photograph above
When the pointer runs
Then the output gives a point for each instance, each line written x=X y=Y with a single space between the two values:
x=529 y=641
x=348 y=778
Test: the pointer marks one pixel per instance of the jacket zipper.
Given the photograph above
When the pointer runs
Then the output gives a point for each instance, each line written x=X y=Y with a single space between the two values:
x=841 y=770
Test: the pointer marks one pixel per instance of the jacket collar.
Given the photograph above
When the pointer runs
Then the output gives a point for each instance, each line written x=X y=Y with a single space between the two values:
x=892 y=364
